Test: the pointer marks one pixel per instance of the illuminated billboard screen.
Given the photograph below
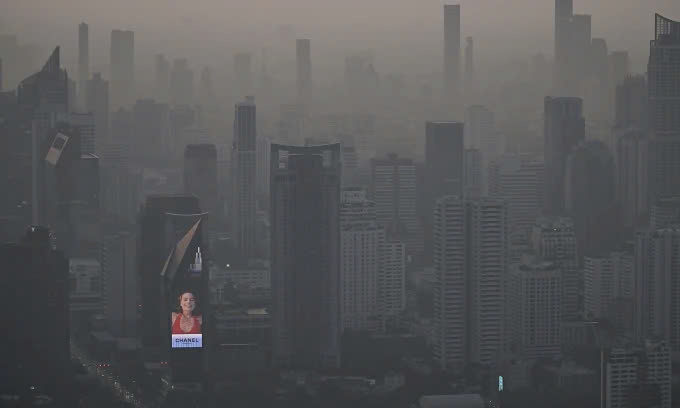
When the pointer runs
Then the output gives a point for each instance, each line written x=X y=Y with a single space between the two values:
x=187 y=322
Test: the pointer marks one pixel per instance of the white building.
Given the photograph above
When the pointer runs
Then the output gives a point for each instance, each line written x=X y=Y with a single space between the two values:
x=657 y=288
x=536 y=318
x=553 y=240
x=360 y=262
x=636 y=376
x=606 y=278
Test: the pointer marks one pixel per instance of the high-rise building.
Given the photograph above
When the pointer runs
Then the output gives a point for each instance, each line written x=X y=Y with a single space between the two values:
x=619 y=69
x=243 y=75
x=451 y=71
x=162 y=78
x=564 y=9
x=631 y=103
x=243 y=177
x=472 y=170
x=553 y=239
x=657 y=290
x=122 y=68
x=564 y=128
x=591 y=172
x=480 y=133
x=663 y=71
x=518 y=180
x=262 y=162
x=536 y=316
x=119 y=282
x=200 y=179
x=470 y=260
x=304 y=72
x=150 y=129
x=444 y=163
x=35 y=352
x=87 y=128
x=154 y=245
x=636 y=376
x=305 y=255
x=606 y=278
x=469 y=68
x=97 y=102
x=360 y=244
x=665 y=211
x=391 y=283
x=181 y=83
x=393 y=189
x=451 y=286
x=83 y=62
x=632 y=157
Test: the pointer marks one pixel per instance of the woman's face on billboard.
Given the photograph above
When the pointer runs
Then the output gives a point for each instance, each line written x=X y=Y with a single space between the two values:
x=188 y=302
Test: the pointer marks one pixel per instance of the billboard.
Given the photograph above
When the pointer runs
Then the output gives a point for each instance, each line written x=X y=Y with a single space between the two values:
x=186 y=317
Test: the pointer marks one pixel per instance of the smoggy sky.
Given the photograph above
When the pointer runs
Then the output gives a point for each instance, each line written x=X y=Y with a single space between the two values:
x=401 y=29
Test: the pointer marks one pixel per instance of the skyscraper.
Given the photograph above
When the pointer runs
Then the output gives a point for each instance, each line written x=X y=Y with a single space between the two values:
x=472 y=169
x=451 y=87
x=393 y=189
x=665 y=212
x=631 y=103
x=243 y=178
x=305 y=255
x=391 y=285
x=564 y=9
x=83 y=62
x=181 y=83
x=150 y=129
x=162 y=78
x=122 y=68
x=632 y=157
x=657 y=290
x=663 y=71
x=360 y=242
x=564 y=127
x=243 y=75
x=469 y=68
x=607 y=277
x=304 y=72
x=97 y=102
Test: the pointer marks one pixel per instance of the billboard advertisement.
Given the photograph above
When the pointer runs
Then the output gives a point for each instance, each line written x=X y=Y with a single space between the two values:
x=186 y=318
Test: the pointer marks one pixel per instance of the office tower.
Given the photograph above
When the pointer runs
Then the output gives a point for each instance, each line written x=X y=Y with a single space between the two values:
x=97 y=102
x=487 y=245
x=564 y=127
x=665 y=211
x=536 y=315
x=393 y=189
x=150 y=129
x=291 y=124
x=87 y=128
x=360 y=246
x=119 y=281
x=444 y=163
x=580 y=41
x=632 y=156
x=518 y=180
x=262 y=161
x=451 y=71
x=564 y=10
x=243 y=177
x=451 y=288
x=304 y=72
x=206 y=90
x=480 y=131
x=162 y=78
x=631 y=103
x=663 y=71
x=83 y=62
x=46 y=91
x=200 y=178
x=36 y=348
x=636 y=376
x=553 y=239
x=350 y=167
x=618 y=71
x=391 y=285
x=153 y=249
x=469 y=68
x=305 y=258
x=122 y=68
x=243 y=75
x=181 y=83
x=657 y=290
x=1 y=76
x=591 y=174
x=596 y=92
x=472 y=170
x=607 y=277
x=85 y=294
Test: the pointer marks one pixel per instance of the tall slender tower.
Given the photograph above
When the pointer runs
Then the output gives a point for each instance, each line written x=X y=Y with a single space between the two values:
x=83 y=62
x=304 y=72
x=122 y=68
x=451 y=56
x=244 y=152
x=469 y=68
x=305 y=255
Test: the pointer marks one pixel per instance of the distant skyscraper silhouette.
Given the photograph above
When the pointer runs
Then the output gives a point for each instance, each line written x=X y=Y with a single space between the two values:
x=564 y=128
x=304 y=72
x=200 y=179
x=305 y=255
x=83 y=63
x=162 y=78
x=181 y=83
x=97 y=102
x=244 y=171
x=564 y=9
x=122 y=68
x=451 y=57
x=469 y=69
x=243 y=71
